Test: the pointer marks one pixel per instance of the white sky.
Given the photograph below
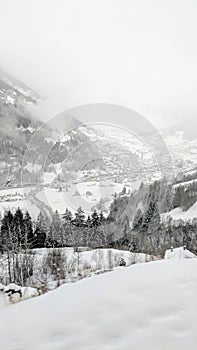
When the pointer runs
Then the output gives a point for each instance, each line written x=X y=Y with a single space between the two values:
x=137 y=53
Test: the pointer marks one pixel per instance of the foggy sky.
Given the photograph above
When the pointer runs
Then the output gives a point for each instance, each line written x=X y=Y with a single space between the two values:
x=140 y=54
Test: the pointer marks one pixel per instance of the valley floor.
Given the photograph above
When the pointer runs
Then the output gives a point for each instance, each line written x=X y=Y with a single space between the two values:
x=145 y=306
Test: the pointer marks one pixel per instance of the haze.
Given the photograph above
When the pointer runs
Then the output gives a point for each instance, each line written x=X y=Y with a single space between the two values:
x=137 y=53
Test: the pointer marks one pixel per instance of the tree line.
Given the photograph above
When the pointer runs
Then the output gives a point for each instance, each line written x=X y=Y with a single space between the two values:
x=20 y=232
x=134 y=222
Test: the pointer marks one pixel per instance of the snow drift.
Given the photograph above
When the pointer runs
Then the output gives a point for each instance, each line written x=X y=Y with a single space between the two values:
x=146 y=306
x=179 y=253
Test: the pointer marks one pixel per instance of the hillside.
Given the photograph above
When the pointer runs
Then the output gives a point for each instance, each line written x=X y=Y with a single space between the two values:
x=30 y=150
x=175 y=199
x=148 y=306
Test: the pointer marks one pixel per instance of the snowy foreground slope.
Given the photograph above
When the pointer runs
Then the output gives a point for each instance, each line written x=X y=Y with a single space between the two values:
x=148 y=306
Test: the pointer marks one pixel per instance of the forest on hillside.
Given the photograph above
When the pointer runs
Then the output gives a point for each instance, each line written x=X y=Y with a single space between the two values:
x=134 y=223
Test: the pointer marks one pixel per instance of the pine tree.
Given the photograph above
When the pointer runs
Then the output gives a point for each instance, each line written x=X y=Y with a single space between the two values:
x=19 y=229
x=137 y=221
x=95 y=219
x=41 y=231
x=7 y=239
x=88 y=221
x=68 y=227
x=79 y=220
x=56 y=236
x=178 y=196
x=113 y=210
x=101 y=218
x=67 y=217
x=155 y=220
x=151 y=216
x=28 y=229
x=167 y=203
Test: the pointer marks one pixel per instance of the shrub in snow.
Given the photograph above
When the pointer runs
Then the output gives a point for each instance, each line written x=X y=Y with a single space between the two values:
x=122 y=262
x=15 y=293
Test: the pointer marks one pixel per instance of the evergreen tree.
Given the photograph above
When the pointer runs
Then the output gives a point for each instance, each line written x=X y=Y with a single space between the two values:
x=19 y=229
x=101 y=218
x=155 y=220
x=113 y=210
x=29 y=234
x=56 y=236
x=93 y=234
x=79 y=220
x=68 y=228
x=79 y=231
x=178 y=196
x=41 y=231
x=137 y=221
x=124 y=239
x=7 y=238
x=151 y=216
x=95 y=219
x=88 y=221
x=67 y=217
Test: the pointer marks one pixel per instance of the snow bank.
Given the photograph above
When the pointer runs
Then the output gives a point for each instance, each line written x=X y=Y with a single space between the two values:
x=109 y=258
x=146 y=306
x=179 y=253
x=14 y=293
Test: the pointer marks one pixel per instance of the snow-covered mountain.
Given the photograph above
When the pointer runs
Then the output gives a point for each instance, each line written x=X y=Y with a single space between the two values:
x=26 y=144
x=13 y=91
x=87 y=164
x=16 y=126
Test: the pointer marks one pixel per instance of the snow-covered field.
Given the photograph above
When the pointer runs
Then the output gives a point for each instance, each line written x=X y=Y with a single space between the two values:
x=23 y=205
x=12 y=198
x=147 y=306
x=85 y=194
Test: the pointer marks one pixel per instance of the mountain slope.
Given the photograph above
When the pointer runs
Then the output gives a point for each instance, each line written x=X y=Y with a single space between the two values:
x=27 y=145
x=16 y=126
x=13 y=91
x=65 y=152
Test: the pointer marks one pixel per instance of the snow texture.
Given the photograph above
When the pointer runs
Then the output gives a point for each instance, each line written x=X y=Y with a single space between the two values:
x=147 y=306
x=179 y=253
x=12 y=293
